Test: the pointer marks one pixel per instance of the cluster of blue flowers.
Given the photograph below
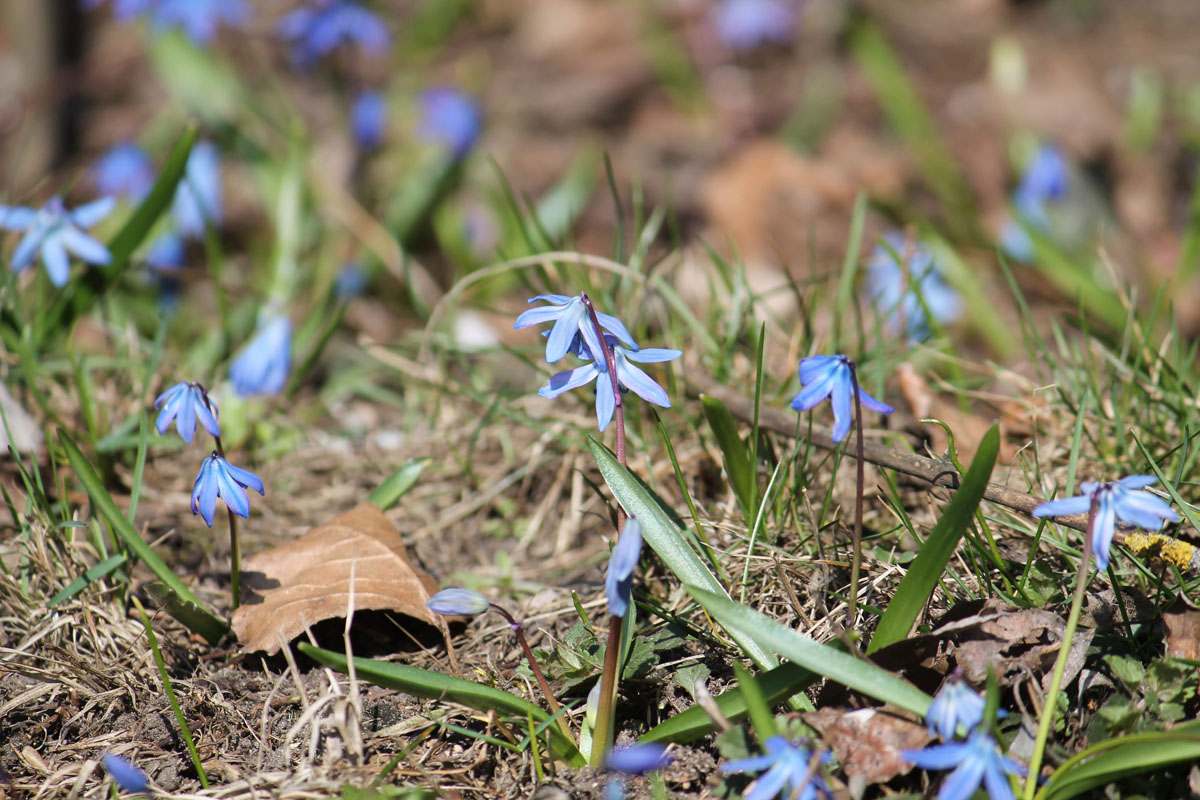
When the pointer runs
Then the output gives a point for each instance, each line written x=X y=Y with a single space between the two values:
x=574 y=331
x=1045 y=182
x=904 y=284
x=787 y=771
x=974 y=761
x=185 y=404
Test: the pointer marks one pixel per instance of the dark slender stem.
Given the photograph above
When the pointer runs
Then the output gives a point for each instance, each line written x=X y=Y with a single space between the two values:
x=611 y=365
x=856 y=558
x=1050 y=703
x=551 y=702
x=602 y=733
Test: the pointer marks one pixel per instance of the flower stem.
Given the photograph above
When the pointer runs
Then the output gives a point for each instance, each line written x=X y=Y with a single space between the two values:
x=1050 y=704
x=611 y=366
x=856 y=557
x=603 y=732
x=551 y=703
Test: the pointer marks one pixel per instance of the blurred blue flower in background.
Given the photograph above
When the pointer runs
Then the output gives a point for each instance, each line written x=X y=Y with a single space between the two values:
x=263 y=365
x=1122 y=500
x=451 y=118
x=166 y=253
x=368 y=119
x=219 y=478
x=185 y=403
x=571 y=319
x=829 y=376
x=638 y=758
x=198 y=19
x=618 y=580
x=1046 y=180
x=351 y=281
x=318 y=28
x=628 y=376
x=126 y=171
x=746 y=24
x=125 y=774
x=197 y=201
x=787 y=772
x=975 y=761
x=890 y=288
x=955 y=704
x=53 y=231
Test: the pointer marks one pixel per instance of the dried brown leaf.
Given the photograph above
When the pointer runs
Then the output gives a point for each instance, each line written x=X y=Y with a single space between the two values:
x=306 y=581
x=868 y=742
x=1183 y=630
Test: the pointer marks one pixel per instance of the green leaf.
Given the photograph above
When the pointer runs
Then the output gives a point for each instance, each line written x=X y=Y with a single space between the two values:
x=756 y=703
x=738 y=465
x=388 y=493
x=862 y=676
x=666 y=538
x=435 y=686
x=79 y=295
x=210 y=627
x=1113 y=759
x=105 y=567
x=776 y=685
x=927 y=567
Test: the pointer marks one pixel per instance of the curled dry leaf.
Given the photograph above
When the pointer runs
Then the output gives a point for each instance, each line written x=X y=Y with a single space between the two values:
x=1183 y=630
x=306 y=581
x=868 y=742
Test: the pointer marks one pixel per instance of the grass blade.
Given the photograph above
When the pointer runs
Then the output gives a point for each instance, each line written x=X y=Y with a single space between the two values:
x=388 y=493
x=738 y=465
x=862 y=676
x=927 y=567
x=1111 y=760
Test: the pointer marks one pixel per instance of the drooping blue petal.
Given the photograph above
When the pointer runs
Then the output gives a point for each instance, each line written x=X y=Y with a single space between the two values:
x=263 y=365
x=91 y=213
x=455 y=602
x=653 y=355
x=54 y=256
x=640 y=383
x=204 y=491
x=811 y=394
x=27 y=249
x=618 y=329
x=1138 y=481
x=963 y=782
x=233 y=495
x=872 y=404
x=639 y=758
x=1064 y=507
x=125 y=774
x=606 y=404
x=842 y=400
x=569 y=379
x=618 y=580
x=1144 y=509
x=536 y=316
x=998 y=786
x=564 y=330
x=16 y=218
x=1103 y=528
x=84 y=246
x=938 y=756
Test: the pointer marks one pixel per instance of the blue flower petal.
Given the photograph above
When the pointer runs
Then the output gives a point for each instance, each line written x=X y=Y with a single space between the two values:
x=640 y=383
x=1064 y=507
x=569 y=379
x=54 y=256
x=606 y=404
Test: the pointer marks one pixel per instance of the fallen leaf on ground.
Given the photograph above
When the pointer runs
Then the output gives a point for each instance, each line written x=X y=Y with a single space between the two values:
x=1183 y=630
x=306 y=581
x=867 y=742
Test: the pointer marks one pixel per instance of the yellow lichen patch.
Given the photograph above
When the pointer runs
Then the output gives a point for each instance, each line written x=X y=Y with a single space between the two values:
x=1151 y=545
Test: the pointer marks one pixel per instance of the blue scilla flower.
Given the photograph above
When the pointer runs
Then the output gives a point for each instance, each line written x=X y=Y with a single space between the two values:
x=829 y=376
x=451 y=118
x=618 y=581
x=263 y=365
x=52 y=231
x=746 y=24
x=890 y=287
x=786 y=772
x=1045 y=181
x=166 y=253
x=368 y=119
x=125 y=774
x=975 y=761
x=197 y=202
x=126 y=171
x=185 y=403
x=628 y=376
x=570 y=317
x=1120 y=500
x=199 y=19
x=122 y=9
x=955 y=704
x=455 y=602
x=319 y=27
x=639 y=758
x=219 y=478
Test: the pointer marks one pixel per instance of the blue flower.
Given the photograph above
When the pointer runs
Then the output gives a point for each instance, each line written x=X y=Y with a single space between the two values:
x=198 y=19
x=891 y=289
x=185 y=403
x=124 y=170
x=197 y=202
x=450 y=117
x=219 y=478
x=368 y=118
x=455 y=602
x=639 y=758
x=787 y=772
x=1122 y=501
x=53 y=231
x=127 y=776
x=122 y=9
x=166 y=253
x=263 y=365
x=351 y=281
x=829 y=376
x=974 y=761
x=1046 y=180
x=618 y=581
x=570 y=317
x=628 y=376
x=955 y=704
x=746 y=24
x=317 y=29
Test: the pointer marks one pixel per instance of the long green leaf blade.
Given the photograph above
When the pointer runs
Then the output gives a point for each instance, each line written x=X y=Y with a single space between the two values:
x=436 y=686
x=737 y=460
x=927 y=567
x=666 y=538
x=1109 y=761
x=855 y=673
